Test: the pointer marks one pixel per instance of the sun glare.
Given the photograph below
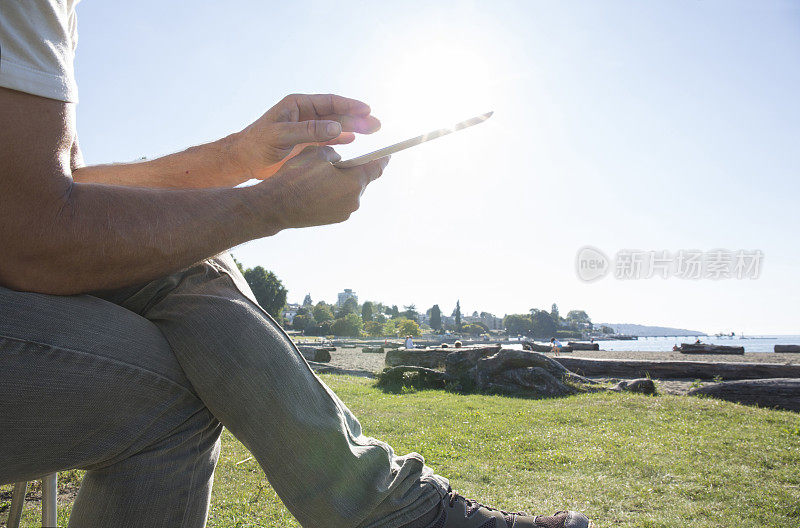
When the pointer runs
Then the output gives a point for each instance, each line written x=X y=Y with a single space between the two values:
x=436 y=85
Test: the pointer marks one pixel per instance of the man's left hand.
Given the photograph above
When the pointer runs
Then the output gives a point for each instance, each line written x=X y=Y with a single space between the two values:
x=296 y=122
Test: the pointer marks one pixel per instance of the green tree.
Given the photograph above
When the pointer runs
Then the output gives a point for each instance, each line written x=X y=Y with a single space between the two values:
x=394 y=311
x=543 y=325
x=307 y=300
x=374 y=328
x=268 y=289
x=457 y=315
x=517 y=324
x=350 y=306
x=408 y=327
x=578 y=318
x=473 y=329
x=322 y=312
x=367 y=311
x=303 y=321
x=410 y=312
x=348 y=326
x=436 y=318
x=607 y=330
x=554 y=312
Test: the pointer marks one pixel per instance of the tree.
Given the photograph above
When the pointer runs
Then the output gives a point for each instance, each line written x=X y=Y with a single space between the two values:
x=307 y=300
x=350 y=306
x=517 y=324
x=367 y=311
x=578 y=318
x=408 y=327
x=320 y=329
x=457 y=315
x=473 y=329
x=554 y=312
x=436 y=318
x=303 y=321
x=322 y=312
x=373 y=328
x=543 y=325
x=348 y=326
x=268 y=289
x=394 y=311
x=410 y=312
x=607 y=329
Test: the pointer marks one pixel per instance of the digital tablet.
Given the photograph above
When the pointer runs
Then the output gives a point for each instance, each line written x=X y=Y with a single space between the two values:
x=397 y=147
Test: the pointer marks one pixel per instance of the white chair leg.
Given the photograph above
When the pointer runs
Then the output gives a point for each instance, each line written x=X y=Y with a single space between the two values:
x=17 y=503
x=49 y=501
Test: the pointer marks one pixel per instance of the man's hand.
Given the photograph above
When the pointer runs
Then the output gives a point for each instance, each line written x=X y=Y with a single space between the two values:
x=308 y=190
x=295 y=122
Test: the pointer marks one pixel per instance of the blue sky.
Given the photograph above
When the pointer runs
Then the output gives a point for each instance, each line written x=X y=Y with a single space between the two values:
x=621 y=125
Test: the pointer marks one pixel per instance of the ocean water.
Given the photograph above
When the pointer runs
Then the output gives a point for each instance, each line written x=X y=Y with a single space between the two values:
x=764 y=343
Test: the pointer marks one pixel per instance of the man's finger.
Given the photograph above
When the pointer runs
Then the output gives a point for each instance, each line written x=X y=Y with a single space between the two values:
x=360 y=124
x=369 y=172
x=322 y=153
x=290 y=134
x=304 y=107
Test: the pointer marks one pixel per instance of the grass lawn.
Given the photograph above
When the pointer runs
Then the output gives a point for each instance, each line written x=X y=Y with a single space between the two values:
x=626 y=460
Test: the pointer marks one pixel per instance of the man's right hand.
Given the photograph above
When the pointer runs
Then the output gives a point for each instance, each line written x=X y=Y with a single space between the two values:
x=308 y=190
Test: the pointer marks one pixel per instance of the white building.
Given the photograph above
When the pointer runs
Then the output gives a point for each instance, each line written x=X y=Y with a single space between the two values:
x=346 y=294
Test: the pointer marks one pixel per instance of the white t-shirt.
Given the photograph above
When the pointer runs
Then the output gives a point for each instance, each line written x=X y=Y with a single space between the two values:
x=37 y=47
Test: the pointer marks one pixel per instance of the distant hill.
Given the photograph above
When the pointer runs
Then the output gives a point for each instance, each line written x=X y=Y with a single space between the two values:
x=649 y=331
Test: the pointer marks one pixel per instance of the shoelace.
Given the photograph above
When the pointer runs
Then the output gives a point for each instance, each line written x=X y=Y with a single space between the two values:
x=474 y=505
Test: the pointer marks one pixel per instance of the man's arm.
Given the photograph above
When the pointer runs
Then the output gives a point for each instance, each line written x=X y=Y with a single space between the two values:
x=296 y=121
x=59 y=236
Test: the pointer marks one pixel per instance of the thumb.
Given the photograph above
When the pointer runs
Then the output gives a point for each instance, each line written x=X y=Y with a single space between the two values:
x=290 y=134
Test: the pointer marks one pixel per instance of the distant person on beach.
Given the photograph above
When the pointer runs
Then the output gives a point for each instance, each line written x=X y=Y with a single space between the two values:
x=409 y=342
x=556 y=344
x=129 y=338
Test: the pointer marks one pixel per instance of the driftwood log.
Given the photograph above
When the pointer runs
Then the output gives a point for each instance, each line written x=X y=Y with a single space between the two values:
x=428 y=377
x=635 y=368
x=787 y=349
x=324 y=368
x=576 y=345
x=702 y=348
x=641 y=385
x=780 y=393
x=317 y=354
x=427 y=357
x=533 y=346
x=373 y=350
x=520 y=371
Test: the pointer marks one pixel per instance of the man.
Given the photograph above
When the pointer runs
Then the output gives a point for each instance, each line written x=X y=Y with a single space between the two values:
x=125 y=346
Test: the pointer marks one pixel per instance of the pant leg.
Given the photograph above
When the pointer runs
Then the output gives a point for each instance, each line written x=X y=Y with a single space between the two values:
x=251 y=376
x=87 y=384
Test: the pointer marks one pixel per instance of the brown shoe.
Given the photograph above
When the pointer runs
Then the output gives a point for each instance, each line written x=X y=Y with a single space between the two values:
x=458 y=512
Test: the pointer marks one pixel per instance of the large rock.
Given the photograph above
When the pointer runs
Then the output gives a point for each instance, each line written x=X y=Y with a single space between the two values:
x=372 y=350
x=780 y=393
x=317 y=354
x=787 y=349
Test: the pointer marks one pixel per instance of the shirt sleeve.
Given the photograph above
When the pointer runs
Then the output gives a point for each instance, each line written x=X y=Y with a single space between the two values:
x=37 y=47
